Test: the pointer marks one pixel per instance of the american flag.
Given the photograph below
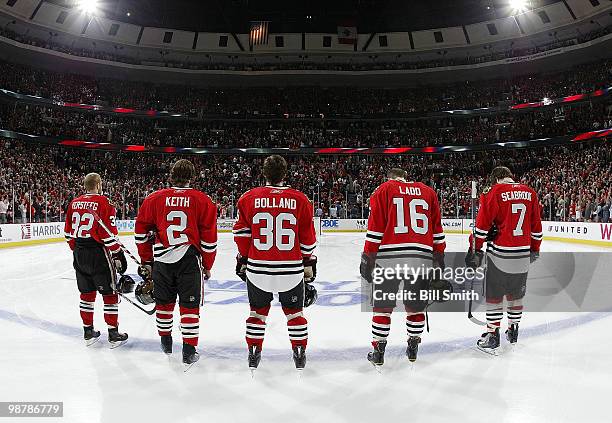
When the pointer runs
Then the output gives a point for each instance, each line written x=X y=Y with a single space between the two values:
x=26 y=231
x=259 y=33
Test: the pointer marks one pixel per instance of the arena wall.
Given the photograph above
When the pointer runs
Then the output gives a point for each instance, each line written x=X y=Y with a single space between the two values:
x=596 y=234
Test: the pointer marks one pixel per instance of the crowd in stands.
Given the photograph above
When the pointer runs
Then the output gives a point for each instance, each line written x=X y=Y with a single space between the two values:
x=204 y=63
x=305 y=102
x=293 y=133
x=36 y=184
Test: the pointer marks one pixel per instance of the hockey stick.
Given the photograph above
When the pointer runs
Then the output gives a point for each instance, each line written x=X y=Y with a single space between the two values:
x=128 y=252
x=470 y=316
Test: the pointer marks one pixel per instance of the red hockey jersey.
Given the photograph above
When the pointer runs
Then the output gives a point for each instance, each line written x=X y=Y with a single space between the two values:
x=514 y=209
x=404 y=218
x=81 y=225
x=179 y=217
x=275 y=231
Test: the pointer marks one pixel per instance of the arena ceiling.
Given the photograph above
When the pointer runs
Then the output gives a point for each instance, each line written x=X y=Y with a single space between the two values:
x=305 y=15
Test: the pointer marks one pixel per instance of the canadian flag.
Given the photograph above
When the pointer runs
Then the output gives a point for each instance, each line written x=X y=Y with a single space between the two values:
x=347 y=33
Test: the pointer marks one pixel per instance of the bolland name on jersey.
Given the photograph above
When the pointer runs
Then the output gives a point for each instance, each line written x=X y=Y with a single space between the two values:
x=275 y=203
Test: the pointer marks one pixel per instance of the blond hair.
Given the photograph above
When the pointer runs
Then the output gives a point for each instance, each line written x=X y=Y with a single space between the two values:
x=91 y=181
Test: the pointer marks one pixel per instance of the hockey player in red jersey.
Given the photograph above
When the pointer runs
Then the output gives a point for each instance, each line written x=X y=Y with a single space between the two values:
x=183 y=222
x=404 y=227
x=509 y=220
x=275 y=237
x=97 y=258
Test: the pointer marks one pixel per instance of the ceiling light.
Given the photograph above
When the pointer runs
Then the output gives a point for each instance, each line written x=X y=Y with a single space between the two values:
x=519 y=6
x=90 y=7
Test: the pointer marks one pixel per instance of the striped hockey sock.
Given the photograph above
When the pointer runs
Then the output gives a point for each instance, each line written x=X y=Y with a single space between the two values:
x=381 y=325
x=495 y=313
x=111 y=310
x=163 y=318
x=415 y=323
x=256 y=326
x=297 y=325
x=86 y=307
x=190 y=325
x=515 y=311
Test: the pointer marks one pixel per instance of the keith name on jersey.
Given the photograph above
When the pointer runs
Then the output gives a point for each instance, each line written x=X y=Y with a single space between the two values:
x=177 y=201
x=276 y=203
x=516 y=195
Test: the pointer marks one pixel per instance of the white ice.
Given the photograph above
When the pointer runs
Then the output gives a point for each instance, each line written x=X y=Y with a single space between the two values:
x=559 y=372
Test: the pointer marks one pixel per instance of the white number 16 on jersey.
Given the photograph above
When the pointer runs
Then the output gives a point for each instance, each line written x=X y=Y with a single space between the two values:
x=419 y=222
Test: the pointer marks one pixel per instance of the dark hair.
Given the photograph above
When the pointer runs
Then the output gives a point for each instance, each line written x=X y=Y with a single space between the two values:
x=396 y=172
x=500 y=172
x=274 y=169
x=182 y=173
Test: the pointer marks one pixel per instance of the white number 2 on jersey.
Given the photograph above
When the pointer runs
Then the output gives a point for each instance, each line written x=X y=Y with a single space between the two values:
x=419 y=223
x=179 y=227
x=274 y=232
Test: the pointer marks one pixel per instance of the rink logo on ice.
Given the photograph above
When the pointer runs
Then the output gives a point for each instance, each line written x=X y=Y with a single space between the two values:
x=26 y=231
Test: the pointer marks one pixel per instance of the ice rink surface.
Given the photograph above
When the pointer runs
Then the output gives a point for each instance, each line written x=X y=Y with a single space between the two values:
x=559 y=372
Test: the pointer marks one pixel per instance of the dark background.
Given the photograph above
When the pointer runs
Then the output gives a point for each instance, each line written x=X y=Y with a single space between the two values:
x=304 y=15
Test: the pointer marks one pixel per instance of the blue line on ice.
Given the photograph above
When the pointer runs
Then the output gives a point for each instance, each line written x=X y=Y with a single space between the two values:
x=318 y=354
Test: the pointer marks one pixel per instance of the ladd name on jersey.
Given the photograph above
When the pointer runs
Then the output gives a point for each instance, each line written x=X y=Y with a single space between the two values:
x=516 y=195
x=409 y=190
x=177 y=201
x=275 y=203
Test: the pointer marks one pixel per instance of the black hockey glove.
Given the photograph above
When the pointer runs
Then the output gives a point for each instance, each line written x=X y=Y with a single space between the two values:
x=241 y=264
x=473 y=259
x=120 y=262
x=145 y=271
x=436 y=279
x=151 y=236
x=438 y=260
x=439 y=286
x=366 y=267
x=310 y=294
x=534 y=256
x=492 y=234
x=310 y=268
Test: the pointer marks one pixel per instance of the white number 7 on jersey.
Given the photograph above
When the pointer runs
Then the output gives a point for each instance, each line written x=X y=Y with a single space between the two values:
x=522 y=209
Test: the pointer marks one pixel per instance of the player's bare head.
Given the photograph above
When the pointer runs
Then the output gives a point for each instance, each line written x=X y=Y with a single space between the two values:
x=274 y=169
x=92 y=182
x=397 y=173
x=182 y=173
x=499 y=173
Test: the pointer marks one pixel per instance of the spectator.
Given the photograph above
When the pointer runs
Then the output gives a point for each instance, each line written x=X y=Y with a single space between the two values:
x=4 y=205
